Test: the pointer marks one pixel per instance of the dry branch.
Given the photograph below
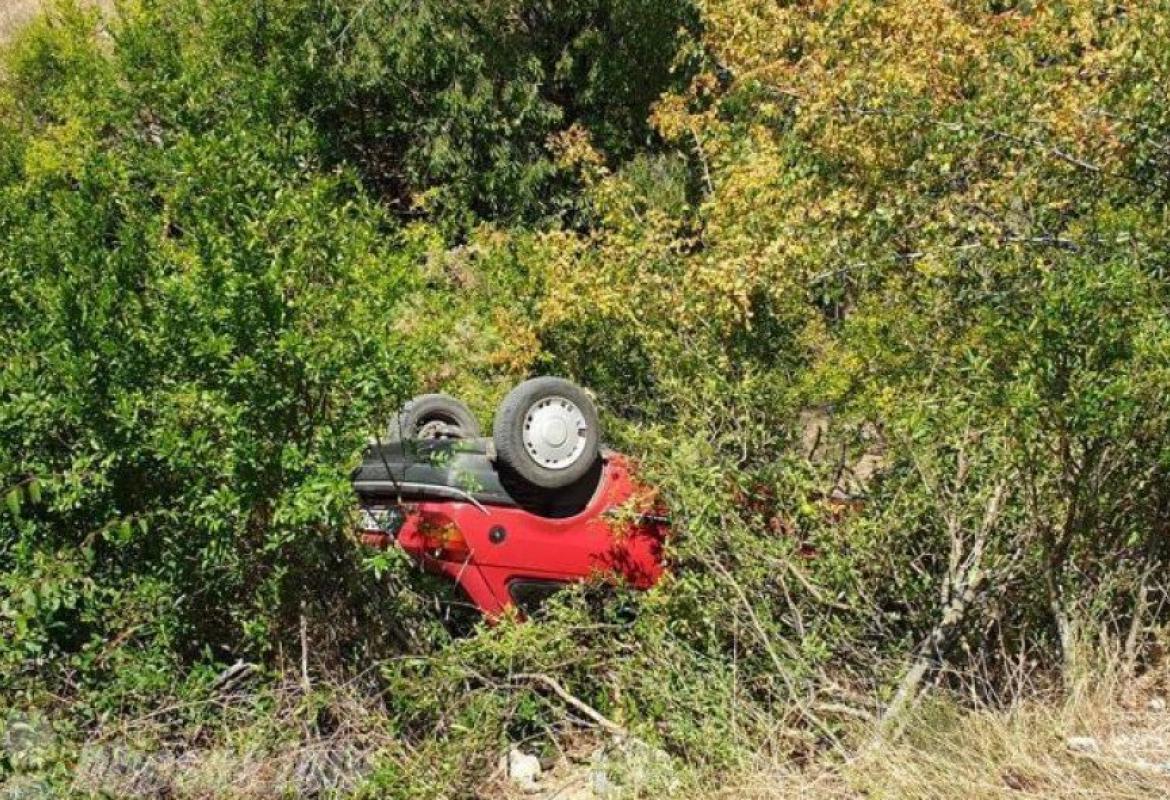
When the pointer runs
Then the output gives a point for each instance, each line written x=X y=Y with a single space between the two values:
x=560 y=691
x=965 y=582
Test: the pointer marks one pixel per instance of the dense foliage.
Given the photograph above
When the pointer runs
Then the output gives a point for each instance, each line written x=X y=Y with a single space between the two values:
x=807 y=252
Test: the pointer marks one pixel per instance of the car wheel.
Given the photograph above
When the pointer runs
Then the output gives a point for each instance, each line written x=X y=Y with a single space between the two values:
x=547 y=431
x=434 y=416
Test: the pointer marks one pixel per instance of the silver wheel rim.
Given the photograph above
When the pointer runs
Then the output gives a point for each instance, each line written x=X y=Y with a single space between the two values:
x=555 y=432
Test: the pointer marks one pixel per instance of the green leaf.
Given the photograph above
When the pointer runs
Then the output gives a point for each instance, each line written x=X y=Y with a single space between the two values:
x=12 y=500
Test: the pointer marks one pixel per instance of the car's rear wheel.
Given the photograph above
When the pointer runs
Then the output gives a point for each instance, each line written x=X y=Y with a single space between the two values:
x=548 y=432
x=434 y=416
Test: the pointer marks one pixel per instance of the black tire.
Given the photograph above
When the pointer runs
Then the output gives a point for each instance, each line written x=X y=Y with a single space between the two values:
x=434 y=416
x=562 y=401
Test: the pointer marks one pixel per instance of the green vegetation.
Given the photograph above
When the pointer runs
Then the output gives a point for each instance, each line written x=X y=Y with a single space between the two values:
x=918 y=251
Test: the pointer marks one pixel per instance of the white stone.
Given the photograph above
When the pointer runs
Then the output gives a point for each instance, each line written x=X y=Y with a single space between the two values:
x=1156 y=704
x=523 y=769
x=601 y=784
x=1082 y=744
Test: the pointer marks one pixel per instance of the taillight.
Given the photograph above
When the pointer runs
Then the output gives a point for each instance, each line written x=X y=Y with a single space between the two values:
x=442 y=538
x=378 y=527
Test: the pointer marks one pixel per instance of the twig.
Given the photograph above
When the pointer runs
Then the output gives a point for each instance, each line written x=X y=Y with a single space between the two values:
x=766 y=641
x=817 y=593
x=703 y=162
x=232 y=677
x=1132 y=639
x=306 y=684
x=560 y=691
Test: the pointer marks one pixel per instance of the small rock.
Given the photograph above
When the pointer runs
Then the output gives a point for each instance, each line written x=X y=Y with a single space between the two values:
x=523 y=769
x=642 y=762
x=601 y=784
x=1156 y=704
x=1082 y=744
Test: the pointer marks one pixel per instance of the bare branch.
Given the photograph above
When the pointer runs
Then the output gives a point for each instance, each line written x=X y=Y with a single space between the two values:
x=966 y=584
x=560 y=691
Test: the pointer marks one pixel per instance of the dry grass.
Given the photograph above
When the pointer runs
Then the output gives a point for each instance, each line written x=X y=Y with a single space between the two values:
x=299 y=748
x=14 y=14
x=949 y=751
x=952 y=753
x=946 y=751
x=1022 y=753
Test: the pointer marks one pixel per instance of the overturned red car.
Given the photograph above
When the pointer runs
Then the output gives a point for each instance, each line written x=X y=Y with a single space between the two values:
x=515 y=516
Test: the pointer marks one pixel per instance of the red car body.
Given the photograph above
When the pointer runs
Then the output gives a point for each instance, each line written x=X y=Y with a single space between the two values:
x=505 y=555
